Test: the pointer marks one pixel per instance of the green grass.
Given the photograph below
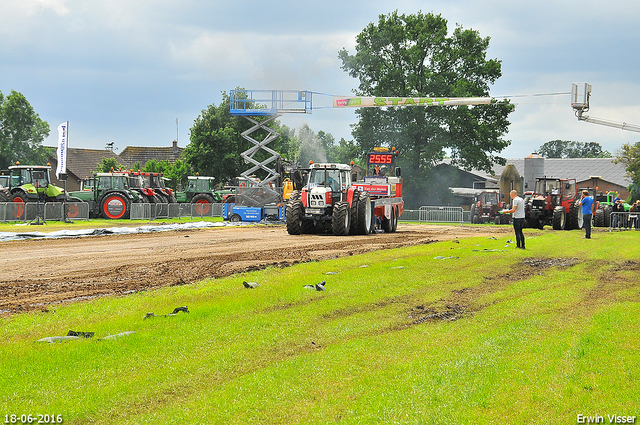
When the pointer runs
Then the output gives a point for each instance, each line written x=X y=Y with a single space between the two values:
x=506 y=336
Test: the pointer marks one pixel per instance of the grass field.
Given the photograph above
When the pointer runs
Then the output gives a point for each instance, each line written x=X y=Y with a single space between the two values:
x=466 y=332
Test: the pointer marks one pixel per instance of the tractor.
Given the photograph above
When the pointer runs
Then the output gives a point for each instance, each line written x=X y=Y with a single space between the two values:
x=155 y=181
x=201 y=191
x=604 y=208
x=554 y=202
x=329 y=203
x=332 y=201
x=111 y=196
x=486 y=208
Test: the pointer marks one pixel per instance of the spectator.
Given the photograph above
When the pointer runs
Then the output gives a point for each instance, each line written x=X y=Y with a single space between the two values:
x=617 y=219
x=586 y=202
x=633 y=215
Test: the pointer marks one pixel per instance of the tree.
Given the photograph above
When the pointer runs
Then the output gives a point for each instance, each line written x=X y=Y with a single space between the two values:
x=411 y=56
x=569 y=149
x=109 y=164
x=176 y=172
x=21 y=132
x=629 y=155
x=216 y=142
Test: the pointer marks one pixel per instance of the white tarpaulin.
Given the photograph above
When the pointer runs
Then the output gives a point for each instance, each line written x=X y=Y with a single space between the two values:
x=364 y=102
x=61 y=153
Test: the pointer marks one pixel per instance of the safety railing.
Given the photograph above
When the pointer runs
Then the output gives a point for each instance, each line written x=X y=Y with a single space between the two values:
x=50 y=211
x=58 y=211
x=624 y=221
x=441 y=214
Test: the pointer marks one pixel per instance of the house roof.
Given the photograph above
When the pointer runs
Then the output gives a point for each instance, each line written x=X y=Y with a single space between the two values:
x=82 y=162
x=580 y=169
x=142 y=154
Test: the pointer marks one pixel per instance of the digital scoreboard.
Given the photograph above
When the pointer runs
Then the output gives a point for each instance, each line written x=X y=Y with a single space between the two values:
x=377 y=158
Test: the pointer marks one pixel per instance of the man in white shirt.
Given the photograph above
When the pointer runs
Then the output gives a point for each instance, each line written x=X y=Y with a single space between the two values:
x=517 y=209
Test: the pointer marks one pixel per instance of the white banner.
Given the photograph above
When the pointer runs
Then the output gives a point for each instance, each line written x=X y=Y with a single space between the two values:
x=364 y=102
x=61 y=153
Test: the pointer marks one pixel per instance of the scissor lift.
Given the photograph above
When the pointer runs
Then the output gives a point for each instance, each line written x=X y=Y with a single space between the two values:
x=261 y=107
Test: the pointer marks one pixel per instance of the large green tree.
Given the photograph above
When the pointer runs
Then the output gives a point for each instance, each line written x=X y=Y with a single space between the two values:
x=570 y=149
x=414 y=55
x=216 y=142
x=21 y=132
x=629 y=155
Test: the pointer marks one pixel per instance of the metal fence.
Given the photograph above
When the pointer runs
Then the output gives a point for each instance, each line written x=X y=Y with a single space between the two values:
x=51 y=211
x=624 y=221
x=441 y=214
x=159 y=211
x=55 y=211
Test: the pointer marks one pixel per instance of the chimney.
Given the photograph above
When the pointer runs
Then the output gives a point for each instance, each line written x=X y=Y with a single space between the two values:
x=175 y=148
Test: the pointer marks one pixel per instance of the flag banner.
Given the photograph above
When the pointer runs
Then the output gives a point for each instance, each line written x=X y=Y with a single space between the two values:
x=61 y=153
x=364 y=102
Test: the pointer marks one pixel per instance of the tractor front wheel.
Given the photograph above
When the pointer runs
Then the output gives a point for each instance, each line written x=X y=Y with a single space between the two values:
x=340 y=222
x=559 y=218
x=294 y=216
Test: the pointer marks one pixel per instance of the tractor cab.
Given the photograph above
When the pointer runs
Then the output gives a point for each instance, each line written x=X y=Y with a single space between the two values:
x=328 y=181
x=32 y=182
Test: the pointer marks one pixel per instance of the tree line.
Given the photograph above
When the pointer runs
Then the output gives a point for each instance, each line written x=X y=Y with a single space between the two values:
x=402 y=55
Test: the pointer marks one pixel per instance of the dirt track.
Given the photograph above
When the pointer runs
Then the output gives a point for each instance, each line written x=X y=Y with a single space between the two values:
x=39 y=273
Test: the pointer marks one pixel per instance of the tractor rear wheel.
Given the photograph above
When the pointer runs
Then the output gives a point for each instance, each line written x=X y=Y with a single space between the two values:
x=608 y=209
x=114 y=206
x=362 y=225
x=202 y=203
x=559 y=218
x=3 y=197
x=340 y=222
x=294 y=216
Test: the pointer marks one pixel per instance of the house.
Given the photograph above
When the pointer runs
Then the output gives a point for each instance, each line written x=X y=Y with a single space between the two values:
x=81 y=163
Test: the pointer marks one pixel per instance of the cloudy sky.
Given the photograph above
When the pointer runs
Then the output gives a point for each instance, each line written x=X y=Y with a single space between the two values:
x=126 y=70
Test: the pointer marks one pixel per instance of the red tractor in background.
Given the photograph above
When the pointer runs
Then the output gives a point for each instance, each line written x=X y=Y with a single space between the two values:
x=486 y=207
x=554 y=202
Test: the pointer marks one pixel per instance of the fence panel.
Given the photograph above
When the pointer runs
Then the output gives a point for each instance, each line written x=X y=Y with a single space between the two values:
x=441 y=214
x=624 y=221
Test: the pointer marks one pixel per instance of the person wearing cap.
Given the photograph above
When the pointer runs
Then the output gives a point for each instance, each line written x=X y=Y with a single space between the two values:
x=376 y=170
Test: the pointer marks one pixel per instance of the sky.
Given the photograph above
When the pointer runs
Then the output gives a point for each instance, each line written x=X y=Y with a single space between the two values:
x=138 y=73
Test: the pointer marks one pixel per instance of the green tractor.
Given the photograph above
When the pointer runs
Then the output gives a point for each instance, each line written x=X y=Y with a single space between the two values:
x=110 y=196
x=201 y=192
x=604 y=208
x=31 y=183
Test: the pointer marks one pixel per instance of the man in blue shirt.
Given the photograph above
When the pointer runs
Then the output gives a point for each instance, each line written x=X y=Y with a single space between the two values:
x=586 y=201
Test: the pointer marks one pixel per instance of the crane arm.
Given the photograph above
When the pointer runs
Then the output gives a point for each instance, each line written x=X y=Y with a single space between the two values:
x=601 y=121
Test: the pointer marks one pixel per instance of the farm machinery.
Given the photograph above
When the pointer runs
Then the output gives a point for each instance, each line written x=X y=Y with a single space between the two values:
x=202 y=193
x=486 y=208
x=110 y=196
x=32 y=183
x=554 y=202
x=331 y=201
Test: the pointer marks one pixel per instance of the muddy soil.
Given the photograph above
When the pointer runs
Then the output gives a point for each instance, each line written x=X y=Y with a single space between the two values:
x=39 y=274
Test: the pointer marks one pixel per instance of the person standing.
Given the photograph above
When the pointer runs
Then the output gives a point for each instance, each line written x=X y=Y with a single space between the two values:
x=586 y=201
x=517 y=209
